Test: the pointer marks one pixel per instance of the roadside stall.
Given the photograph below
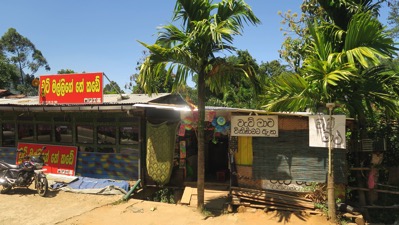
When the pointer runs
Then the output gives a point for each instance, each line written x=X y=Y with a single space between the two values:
x=86 y=133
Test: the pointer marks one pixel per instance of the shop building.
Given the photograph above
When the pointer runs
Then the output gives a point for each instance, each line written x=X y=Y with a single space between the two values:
x=153 y=138
x=109 y=136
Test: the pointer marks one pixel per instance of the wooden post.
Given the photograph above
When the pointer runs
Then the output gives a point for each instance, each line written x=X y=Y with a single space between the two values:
x=330 y=177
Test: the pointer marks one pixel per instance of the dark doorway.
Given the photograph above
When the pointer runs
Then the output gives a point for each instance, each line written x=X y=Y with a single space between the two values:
x=217 y=170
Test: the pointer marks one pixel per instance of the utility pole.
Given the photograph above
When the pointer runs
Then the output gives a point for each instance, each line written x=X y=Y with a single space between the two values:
x=330 y=178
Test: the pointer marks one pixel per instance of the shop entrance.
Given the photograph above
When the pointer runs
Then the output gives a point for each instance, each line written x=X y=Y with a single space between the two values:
x=216 y=156
x=217 y=169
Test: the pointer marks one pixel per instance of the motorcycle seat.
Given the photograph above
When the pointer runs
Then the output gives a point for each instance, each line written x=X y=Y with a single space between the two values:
x=10 y=166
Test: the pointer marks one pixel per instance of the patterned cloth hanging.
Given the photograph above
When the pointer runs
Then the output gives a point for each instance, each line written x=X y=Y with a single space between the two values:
x=160 y=148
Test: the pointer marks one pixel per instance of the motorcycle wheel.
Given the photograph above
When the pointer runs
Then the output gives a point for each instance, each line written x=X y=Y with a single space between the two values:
x=42 y=186
x=5 y=188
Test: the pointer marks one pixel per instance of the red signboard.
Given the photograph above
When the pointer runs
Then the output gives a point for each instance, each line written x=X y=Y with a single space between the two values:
x=82 y=88
x=57 y=159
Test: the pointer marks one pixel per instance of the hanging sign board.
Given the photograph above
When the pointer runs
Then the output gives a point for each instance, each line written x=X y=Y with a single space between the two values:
x=57 y=159
x=82 y=88
x=319 y=131
x=254 y=126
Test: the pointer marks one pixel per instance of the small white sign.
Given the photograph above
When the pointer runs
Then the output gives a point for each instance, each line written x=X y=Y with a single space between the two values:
x=255 y=126
x=319 y=131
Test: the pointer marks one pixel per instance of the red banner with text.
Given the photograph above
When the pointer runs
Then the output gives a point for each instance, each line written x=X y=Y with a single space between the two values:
x=57 y=159
x=82 y=88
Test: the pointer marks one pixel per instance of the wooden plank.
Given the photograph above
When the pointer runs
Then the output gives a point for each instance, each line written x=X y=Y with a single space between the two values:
x=265 y=207
x=350 y=215
x=276 y=199
x=376 y=190
x=235 y=200
x=276 y=203
x=381 y=207
x=275 y=208
x=268 y=203
x=194 y=199
x=279 y=193
x=186 y=198
x=359 y=168
x=271 y=195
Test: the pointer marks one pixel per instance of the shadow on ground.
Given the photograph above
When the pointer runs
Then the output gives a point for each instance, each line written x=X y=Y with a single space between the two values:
x=31 y=191
x=216 y=197
x=285 y=216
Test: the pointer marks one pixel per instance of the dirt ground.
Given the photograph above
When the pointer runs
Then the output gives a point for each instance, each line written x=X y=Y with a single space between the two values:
x=24 y=206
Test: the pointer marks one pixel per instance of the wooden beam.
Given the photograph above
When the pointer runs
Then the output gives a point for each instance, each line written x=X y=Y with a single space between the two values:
x=276 y=203
x=186 y=198
x=274 y=198
x=279 y=193
x=376 y=190
x=381 y=207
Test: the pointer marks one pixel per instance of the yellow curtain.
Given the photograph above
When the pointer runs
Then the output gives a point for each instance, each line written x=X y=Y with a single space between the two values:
x=244 y=155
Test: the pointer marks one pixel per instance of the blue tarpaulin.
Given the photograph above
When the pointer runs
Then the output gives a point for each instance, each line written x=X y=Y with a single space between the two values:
x=97 y=186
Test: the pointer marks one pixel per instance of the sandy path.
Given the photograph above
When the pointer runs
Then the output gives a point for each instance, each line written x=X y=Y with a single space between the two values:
x=24 y=206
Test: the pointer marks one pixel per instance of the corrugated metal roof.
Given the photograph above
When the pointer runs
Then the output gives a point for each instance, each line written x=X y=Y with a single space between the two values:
x=125 y=102
x=110 y=99
x=260 y=112
x=111 y=102
x=255 y=111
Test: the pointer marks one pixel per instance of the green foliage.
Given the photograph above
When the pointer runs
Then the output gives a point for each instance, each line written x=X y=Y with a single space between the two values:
x=165 y=195
x=271 y=69
x=323 y=207
x=386 y=130
x=27 y=88
x=317 y=193
x=65 y=71
x=205 y=30
x=205 y=212
x=112 y=88
x=192 y=50
x=20 y=51
x=296 y=32
x=393 y=18
x=159 y=84
x=9 y=74
x=343 y=64
x=344 y=67
x=338 y=13
x=239 y=92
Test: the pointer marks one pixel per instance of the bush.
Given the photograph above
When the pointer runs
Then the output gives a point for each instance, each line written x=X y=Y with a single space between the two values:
x=165 y=195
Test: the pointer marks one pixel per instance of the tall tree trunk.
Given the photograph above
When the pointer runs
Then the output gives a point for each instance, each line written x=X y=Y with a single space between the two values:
x=21 y=73
x=330 y=178
x=331 y=194
x=201 y=142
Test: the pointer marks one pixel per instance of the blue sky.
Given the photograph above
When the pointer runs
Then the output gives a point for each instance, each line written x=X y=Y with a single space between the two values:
x=101 y=35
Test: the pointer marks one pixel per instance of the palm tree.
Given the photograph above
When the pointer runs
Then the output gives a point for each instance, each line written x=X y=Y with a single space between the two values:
x=345 y=68
x=207 y=29
x=340 y=68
